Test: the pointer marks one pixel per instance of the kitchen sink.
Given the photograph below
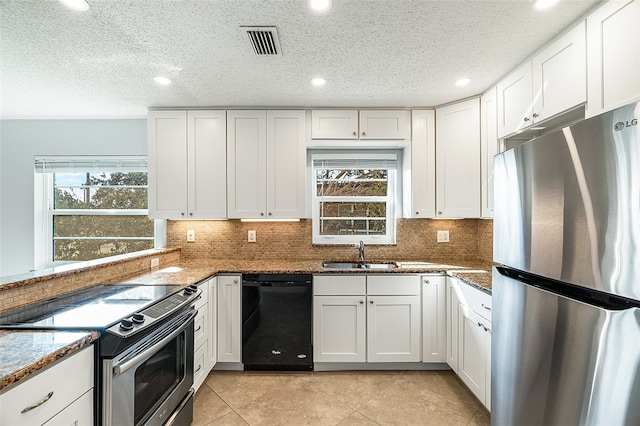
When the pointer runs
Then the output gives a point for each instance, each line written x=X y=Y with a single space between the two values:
x=358 y=265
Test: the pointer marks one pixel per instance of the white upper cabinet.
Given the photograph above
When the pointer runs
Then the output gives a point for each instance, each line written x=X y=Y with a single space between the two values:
x=423 y=165
x=613 y=40
x=286 y=165
x=334 y=124
x=187 y=171
x=365 y=124
x=550 y=83
x=167 y=156
x=489 y=143
x=457 y=160
x=376 y=124
x=207 y=160
x=266 y=164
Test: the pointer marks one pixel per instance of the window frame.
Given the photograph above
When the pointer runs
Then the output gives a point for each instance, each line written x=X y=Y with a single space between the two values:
x=44 y=221
x=391 y=199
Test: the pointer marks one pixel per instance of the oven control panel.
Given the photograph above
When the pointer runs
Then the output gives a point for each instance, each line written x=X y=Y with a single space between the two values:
x=160 y=310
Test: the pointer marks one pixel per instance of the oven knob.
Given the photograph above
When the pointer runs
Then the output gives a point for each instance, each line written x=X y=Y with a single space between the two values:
x=138 y=318
x=193 y=288
x=126 y=325
x=188 y=291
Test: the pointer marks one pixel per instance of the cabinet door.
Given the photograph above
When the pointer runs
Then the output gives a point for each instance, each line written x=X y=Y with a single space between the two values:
x=472 y=343
x=286 y=165
x=560 y=75
x=246 y=164
x=457 y=156
x=393 y=328
x=213 y=323
x=334 y=124
x=207 y=151
x=488 y=147
x=229 y=318
x=515 y=101
x=339 y=329
x=434 y=329
x=613 y=40
x=391 y=124
x=453 y=308
x=200 y=372
x=423 y=165
x=167 y=155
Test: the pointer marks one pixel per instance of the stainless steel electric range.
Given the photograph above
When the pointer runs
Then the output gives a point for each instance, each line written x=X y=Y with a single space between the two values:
x=144 y=357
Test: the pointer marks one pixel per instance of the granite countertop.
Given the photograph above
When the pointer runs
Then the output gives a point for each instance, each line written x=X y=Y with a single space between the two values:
x=185 y=272
x=25 y=352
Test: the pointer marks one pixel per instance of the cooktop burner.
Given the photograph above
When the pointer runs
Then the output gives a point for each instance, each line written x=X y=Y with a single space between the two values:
x=94 y=308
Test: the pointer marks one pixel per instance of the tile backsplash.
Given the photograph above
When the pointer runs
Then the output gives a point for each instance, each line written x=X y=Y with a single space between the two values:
x=416 y=240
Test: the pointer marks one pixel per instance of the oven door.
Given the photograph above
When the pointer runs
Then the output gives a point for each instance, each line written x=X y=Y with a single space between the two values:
x=151 y=381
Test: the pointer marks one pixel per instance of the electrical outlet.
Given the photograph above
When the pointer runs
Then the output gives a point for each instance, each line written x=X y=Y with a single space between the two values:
x=443 y=236
x=191 y=235
x=155 y=262
x=251 y=236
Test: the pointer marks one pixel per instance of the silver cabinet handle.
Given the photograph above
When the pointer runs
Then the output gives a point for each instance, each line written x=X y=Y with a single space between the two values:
x=198 y=329
x=261 y=214
x=526 y=119
x=361 y=302
x=439 y=212
x=235 y=281
x=417 y=213
x=182 y=213
x=37 y=404
x=371 y=302
x=364 y=133
x=269 y=213
x=198 y=369
x=427 y=282
x=355 y=133
x=535 y=115
x=190 y=214
x=479 y=324
x=488 y=308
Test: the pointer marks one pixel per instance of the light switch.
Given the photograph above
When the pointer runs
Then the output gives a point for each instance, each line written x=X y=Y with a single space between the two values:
x=191 y=235
x=251 y=236
x=443 y=236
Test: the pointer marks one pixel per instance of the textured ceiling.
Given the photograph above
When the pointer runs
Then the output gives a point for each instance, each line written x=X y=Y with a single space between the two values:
x=58 y=63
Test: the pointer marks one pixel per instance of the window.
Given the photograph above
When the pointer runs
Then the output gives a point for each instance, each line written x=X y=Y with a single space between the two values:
x=94 y=207
x=354 y=198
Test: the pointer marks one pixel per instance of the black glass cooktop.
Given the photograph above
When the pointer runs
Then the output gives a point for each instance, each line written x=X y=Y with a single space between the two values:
x=93 y=308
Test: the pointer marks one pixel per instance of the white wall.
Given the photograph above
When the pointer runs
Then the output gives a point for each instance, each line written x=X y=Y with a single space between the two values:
x=20 y=141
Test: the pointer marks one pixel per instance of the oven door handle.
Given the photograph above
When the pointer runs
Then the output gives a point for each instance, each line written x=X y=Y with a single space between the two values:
x=129 y=362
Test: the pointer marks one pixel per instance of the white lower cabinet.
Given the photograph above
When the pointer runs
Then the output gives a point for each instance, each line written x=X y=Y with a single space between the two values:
x=473 y=337
x=366 y=318
x=434 y=339
x=229 y=318
x=203 y=333
x=50 y=397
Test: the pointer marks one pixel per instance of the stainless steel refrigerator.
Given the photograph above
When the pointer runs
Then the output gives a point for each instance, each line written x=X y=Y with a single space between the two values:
x=566 y=302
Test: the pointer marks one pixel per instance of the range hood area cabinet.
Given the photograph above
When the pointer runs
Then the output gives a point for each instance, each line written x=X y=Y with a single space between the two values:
x=266 y=164
x=187 y=164
x=553 y=81
x=613 y=63
x=363 y=124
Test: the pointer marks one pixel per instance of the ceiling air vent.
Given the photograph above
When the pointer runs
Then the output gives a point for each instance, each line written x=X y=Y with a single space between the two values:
x=264 y=40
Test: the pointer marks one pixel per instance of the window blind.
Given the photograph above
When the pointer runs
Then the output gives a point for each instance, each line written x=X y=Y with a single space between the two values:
x=374 y=161
x=83 y=164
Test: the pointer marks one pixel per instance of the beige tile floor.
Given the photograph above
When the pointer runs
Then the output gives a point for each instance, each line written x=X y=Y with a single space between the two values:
x=337 y=398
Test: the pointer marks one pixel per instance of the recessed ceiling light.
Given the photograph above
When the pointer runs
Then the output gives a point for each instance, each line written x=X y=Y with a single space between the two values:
x=543 y=4
x=162 y=80
x=463 y=82
x=319 y=5
x=318 y=81
x=80 y=5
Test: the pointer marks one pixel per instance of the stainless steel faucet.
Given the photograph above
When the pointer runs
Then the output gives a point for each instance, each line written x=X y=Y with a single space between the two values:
x=361 y=252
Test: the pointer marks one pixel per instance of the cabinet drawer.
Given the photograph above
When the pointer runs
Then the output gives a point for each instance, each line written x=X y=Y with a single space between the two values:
x=477 y=300
x=201 y=326
x=80 y=413
x=338 y=285
x=199 y=366
x=204 y=297
x=393 y=285
x=55 y=381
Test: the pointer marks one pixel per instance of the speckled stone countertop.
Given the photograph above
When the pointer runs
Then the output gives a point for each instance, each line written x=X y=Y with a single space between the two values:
x=25 y=352
x=184 y=272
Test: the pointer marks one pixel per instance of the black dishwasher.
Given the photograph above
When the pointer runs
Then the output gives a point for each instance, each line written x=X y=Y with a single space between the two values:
x=276 y=322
